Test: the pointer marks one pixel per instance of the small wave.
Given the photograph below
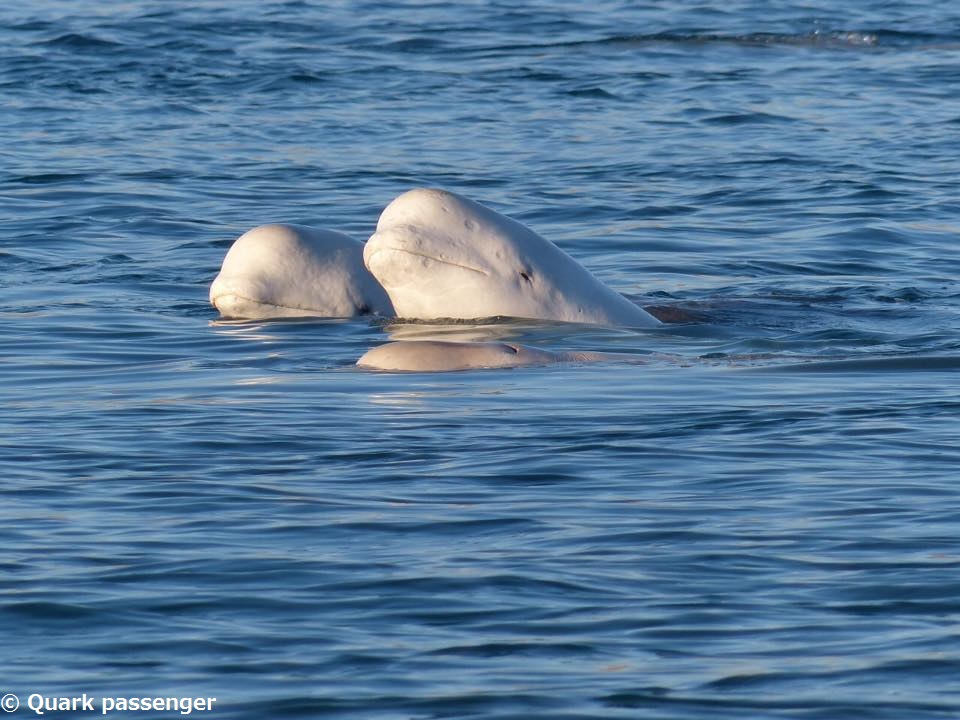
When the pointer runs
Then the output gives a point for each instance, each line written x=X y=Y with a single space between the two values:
x=49 y=178
x=755 y=118
x=47 y=610
x=835 y=39
x=898 y=364
x=904 y=295
x=77 y=41
x=414 y=44
x=32 y=26
x=842 y=38
x=595 y=93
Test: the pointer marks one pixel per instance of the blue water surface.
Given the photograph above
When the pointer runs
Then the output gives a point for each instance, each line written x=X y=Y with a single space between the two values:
x=760 y=520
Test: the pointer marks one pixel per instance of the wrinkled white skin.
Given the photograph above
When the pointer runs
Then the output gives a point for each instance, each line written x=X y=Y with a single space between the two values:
x=439 y=255
x=445 y=356
x=277 y=271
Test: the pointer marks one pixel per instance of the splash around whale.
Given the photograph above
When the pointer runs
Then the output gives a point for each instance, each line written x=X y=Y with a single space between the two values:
x=440 y=255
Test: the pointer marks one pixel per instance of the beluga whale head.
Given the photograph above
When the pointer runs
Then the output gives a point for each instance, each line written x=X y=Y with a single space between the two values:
x=284 y=270
x=441 y=256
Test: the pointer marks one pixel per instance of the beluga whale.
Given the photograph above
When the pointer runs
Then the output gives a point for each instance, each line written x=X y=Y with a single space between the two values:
x=447 y=356
x=276 y=271
x=442 y=256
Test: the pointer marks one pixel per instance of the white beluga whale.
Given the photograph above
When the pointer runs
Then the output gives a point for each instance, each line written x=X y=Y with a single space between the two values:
x=446 y=356
x=279 y=270
x=440 y=255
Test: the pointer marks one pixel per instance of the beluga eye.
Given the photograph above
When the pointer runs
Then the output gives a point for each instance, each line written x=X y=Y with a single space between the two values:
x=525 y=276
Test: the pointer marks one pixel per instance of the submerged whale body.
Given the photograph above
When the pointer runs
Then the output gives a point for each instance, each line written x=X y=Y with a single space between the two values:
x=446 y=356
x=440 y=255
x=281 y=270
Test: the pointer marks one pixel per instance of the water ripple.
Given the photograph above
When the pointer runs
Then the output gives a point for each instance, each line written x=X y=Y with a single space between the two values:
x=734 y=514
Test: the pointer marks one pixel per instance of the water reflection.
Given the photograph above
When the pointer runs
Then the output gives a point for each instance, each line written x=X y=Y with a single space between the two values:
x=453 y=331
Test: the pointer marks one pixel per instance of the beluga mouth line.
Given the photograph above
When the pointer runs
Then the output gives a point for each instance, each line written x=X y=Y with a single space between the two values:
x=434 y=258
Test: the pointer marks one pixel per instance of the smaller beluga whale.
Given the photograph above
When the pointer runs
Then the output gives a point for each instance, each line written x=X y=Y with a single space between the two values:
x=280 y=270
x=442 y=256
x=447 y=356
